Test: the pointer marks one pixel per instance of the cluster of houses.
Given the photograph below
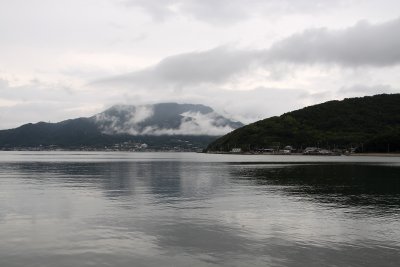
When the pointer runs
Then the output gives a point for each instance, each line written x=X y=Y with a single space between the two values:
x=290 y=150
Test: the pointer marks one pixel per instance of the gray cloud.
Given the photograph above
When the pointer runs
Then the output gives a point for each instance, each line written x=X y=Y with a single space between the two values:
x=38 y=101
x=358 y=46
x=362 y=89
x=229 y=11
x=361 y=45
x=211 y=66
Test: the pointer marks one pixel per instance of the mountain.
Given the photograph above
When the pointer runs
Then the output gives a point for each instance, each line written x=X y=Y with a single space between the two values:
x=370 y=124
x=159 y=126
x=164 y=119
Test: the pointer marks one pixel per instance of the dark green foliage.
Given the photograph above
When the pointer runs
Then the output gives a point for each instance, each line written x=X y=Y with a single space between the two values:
x=371 y=124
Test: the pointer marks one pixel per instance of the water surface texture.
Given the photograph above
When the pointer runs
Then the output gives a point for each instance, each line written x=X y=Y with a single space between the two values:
x=187 y=209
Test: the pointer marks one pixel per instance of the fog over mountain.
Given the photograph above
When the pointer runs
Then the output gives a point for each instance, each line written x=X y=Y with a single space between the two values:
x=163 y=119
x=163 y=126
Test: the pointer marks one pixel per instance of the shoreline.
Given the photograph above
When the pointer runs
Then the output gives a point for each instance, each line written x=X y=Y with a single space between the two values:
x=376 y=154
x=372 y=154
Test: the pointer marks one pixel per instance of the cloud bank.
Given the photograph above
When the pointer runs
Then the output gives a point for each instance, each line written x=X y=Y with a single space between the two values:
x=362 y=45
x=211 y=66
x=260 y=73
x=228 y=11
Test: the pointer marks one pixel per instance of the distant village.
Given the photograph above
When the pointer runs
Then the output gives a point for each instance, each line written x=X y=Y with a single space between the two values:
x=143 y=147
x=289 y=150
x=123 y=147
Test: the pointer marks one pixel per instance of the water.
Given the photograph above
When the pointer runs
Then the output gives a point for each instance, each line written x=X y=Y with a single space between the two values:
x=187 y=209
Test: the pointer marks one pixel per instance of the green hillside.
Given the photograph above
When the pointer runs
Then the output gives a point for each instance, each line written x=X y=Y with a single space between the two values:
x=370 y=124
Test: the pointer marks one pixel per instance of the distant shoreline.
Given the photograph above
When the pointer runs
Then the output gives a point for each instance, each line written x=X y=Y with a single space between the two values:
x=376 y=154
x=372 y=154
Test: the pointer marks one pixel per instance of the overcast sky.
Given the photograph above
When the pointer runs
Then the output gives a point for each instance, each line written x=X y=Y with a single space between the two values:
x=247 y=59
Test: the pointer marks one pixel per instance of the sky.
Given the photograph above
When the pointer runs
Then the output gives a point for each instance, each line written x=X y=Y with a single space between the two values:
x=247 y=59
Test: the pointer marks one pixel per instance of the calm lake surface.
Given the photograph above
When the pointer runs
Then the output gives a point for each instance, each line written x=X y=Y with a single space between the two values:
x=188 y=209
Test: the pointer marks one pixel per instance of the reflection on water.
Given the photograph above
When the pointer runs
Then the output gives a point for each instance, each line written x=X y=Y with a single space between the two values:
x=198 y=212
x=342 y=184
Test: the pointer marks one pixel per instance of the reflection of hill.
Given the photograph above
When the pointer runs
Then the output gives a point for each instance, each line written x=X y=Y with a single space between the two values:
x=341 y=184
x=176 y=213
x=160 y=179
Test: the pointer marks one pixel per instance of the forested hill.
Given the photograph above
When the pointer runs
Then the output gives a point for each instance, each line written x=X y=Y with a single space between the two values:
x=371 y=124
